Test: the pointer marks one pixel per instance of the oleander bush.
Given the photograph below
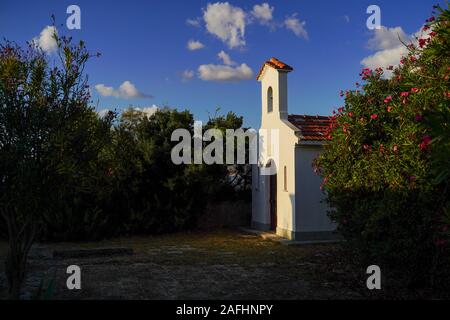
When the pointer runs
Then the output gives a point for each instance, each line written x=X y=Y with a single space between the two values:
x=386 y=168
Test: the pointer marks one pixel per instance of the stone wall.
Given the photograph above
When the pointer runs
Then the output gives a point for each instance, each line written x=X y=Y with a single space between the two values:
x=226 y=214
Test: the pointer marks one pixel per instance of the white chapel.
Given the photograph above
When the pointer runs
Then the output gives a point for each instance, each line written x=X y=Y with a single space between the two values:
x=289 y=200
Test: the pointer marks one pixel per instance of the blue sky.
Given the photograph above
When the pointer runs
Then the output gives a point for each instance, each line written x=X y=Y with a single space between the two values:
x=145 y=45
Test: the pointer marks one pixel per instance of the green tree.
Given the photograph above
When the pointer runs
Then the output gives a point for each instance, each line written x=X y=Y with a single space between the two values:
x=44 y=126
x=151 y=194
x=236 y=178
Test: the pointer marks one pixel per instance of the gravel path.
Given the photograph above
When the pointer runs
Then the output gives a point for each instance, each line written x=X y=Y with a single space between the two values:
x=223 y=264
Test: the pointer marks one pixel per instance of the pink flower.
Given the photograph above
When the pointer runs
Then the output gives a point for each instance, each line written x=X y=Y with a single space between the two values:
x=389 y=108
x=395 y=148
x=404 y=94
x=425 y=28
x=350 y=114
x=425 y=142
x=422 y=43
x=414 y=90
x=418 y=117
x=366 y=72
x=388 y=99
x=341 y=109
x=374 y=116
x=440 y=242
x=426 y=139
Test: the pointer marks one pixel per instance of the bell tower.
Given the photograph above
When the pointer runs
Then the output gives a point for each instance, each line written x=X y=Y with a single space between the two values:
x=273 y=78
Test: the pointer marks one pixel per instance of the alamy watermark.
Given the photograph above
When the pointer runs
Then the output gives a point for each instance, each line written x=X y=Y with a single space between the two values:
x=374 y=20
x=74 y=280
x=374 y=280
x=239 y=146
x=74 y=20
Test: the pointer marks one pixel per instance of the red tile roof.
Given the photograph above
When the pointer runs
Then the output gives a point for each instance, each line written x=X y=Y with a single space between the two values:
x=276 y=64
x=312 y=128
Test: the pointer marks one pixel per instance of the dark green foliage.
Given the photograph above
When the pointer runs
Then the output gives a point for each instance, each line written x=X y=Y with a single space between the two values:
x=43 y=114
x=151 y=194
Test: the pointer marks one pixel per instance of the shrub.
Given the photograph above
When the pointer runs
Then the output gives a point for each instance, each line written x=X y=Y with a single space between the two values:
x=386 y=167
x=49 y=147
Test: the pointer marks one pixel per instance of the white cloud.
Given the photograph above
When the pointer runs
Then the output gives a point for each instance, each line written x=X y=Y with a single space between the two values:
x=187 y=74
x=387 y=38
x=224 y=73
x=127 y=90
x=46 y=41
x=229 y=71
x=148 y=111
x=226 y=22
x=385 y=58
x=389 y=48
x=295 y=25
x=193 y=22
x=263 y=13
x=347 y=18
x=142 y=112
x=102 y=113
x=195 y=45
x=226 y=59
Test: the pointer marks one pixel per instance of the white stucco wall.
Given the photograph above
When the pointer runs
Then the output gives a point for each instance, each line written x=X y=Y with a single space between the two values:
x=311 y=210
x=285 y=143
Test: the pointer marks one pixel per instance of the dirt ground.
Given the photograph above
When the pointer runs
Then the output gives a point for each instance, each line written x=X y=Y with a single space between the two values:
x=223 y=264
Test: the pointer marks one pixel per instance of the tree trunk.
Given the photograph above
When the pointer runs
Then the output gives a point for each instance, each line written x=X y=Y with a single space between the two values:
x=20 y=242
x=15 y=266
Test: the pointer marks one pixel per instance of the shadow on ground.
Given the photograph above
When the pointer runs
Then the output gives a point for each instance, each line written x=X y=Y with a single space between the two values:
x=223 y=264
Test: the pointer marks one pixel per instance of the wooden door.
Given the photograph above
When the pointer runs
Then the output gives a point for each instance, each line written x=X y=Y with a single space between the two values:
x=273 y=202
